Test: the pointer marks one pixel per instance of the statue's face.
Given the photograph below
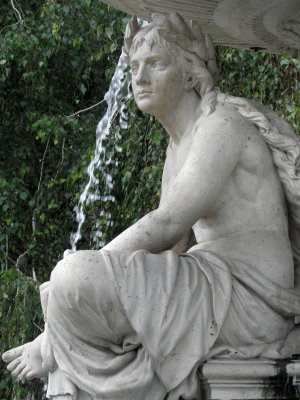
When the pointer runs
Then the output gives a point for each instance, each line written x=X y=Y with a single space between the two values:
x=157 y=81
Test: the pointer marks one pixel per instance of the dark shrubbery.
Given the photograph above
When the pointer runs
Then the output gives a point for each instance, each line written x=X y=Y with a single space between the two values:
x=57 y=60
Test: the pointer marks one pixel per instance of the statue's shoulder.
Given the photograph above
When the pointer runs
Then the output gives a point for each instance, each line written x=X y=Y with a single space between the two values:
x=222 y=121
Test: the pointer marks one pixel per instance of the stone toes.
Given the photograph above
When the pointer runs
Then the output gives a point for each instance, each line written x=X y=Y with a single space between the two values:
x=13 y=364
x=6 y=357
x=19 y=369
x=10 y=355
x=30 y=374
x=24 y=374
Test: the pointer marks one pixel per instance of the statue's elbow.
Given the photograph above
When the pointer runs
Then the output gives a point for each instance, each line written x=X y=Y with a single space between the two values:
x=169 y=228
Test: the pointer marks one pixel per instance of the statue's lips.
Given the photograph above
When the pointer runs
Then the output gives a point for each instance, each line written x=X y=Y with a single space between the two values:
x=144 y=93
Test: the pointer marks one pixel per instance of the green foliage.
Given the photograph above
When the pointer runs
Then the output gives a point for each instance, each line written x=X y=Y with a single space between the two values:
x=19 y=308
x=59 y=59
x=266 y=78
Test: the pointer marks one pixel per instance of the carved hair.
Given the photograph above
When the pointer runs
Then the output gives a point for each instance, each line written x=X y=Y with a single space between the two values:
x=197 y=56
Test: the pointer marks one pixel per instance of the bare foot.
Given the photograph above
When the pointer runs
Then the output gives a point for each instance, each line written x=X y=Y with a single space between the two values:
x=25 y=362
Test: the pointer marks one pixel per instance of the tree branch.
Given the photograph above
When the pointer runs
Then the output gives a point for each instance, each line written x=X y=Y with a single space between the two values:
x=62 y=157
x=39 y=328
x=86 y=109
x=17 y=14
x=7 y=26
x=8 y=257
x=6 y=251
x=33 y=220
x=20 y=8
x=16 y=11
x=21 y=260
x=42 y=166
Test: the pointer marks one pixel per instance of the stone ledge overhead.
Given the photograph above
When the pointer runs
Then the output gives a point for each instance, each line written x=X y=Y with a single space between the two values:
x=270 y=26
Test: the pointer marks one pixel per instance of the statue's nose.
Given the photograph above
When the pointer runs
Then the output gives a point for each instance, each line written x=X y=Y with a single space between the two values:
x=142 y=76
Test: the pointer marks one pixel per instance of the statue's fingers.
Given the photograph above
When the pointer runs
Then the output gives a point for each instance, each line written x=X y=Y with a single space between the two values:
x=13 y=364
x=10 y=355
x=19 y=369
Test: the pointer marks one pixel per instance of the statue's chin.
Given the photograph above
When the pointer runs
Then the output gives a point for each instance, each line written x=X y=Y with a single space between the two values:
x=146 y=106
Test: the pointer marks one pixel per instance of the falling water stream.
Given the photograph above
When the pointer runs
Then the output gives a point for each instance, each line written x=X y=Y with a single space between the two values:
x=118 y=93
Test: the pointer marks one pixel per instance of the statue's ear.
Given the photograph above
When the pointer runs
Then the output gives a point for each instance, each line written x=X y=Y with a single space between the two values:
x=190 y=82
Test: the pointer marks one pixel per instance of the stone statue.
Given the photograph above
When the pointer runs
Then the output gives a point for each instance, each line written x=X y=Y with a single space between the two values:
x=136 y=320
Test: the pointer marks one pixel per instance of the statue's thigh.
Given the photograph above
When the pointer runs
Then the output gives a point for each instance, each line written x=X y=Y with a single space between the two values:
x=80 y=272
x=84 y=292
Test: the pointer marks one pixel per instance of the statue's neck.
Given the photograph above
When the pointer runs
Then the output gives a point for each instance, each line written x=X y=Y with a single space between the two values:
x=180 y=119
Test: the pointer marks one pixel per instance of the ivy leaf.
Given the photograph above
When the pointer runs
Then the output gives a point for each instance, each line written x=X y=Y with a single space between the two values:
x=23 y=195
x=109 y=32
x=83 y=89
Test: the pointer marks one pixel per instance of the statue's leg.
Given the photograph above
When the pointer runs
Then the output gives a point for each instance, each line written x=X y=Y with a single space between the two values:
x=84 y=295
x=94 y=345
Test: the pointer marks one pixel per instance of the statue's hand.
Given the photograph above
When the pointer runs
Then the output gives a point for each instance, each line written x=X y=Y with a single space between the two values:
x=68 y=252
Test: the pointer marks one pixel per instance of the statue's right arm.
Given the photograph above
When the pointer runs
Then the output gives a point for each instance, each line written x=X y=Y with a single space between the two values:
x=186 y=241
x=214 y=154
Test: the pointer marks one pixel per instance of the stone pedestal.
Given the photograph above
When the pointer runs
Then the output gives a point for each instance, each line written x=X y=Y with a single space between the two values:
x=250 y=379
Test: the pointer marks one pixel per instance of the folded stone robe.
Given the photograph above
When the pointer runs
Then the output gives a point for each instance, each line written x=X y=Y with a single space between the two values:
x=136 y=325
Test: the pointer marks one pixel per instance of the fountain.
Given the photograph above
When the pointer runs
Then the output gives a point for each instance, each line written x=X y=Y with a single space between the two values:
x=116 y=97
x=148 y=316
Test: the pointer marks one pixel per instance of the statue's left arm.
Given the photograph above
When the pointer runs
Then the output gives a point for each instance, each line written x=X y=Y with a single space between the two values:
x=214 y=153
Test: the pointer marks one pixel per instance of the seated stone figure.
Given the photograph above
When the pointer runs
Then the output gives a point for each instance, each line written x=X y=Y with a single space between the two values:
x=137 y=319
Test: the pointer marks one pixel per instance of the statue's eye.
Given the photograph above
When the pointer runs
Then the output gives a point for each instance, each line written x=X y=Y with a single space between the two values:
x=158 y=65
x=134 y=69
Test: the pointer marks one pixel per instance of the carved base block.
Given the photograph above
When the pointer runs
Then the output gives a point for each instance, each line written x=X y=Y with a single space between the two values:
x=249 y=379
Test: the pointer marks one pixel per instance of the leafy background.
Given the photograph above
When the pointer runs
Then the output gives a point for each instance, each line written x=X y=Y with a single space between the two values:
x=58 y=59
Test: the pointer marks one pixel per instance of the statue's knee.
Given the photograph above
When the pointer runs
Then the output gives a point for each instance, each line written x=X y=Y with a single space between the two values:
x=71 y=273
x=61 y=277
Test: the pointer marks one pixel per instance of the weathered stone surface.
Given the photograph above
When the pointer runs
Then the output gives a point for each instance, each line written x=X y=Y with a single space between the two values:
x=272 y=26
